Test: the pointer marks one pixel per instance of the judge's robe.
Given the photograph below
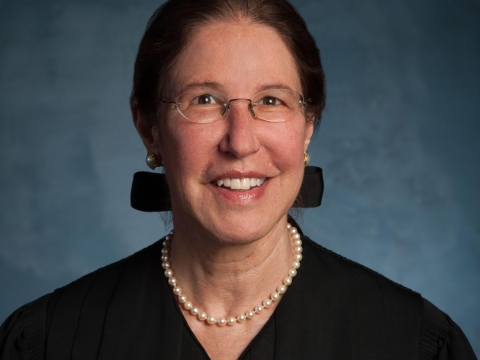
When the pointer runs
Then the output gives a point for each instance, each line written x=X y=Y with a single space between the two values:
x=335 y=309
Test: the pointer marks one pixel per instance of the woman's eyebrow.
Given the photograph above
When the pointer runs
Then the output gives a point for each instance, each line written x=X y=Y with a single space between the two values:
x=276 y=86
x=203 y=84
x=213 y=85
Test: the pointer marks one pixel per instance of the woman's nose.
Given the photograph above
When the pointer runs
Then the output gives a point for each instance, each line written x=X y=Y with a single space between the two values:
x=240 y=139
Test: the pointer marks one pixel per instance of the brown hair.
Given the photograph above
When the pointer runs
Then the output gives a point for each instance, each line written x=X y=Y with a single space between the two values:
x=169 y=29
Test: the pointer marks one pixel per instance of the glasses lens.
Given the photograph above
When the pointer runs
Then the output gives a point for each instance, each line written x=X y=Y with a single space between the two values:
x=200 y=106
x=277 y=105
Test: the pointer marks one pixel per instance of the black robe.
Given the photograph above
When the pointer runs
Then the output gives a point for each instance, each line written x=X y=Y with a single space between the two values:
x=335 y=309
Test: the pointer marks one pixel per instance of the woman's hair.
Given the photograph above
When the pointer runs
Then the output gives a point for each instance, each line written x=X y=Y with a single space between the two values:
x=169 y=30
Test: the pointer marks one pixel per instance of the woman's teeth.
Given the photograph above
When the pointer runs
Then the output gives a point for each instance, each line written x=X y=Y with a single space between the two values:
x=240 y=184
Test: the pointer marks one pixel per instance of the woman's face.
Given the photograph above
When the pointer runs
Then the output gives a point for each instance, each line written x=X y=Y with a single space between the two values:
x=236 y=59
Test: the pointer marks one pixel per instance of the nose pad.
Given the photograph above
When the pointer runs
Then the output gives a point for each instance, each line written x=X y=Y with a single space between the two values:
x=225 y=109
x=250 y=107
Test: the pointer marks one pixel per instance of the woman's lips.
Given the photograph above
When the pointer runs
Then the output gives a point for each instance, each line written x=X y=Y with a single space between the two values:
x=240 y=190
x=239 y=183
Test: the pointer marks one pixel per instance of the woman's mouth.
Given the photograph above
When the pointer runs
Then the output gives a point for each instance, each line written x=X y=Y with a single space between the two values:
x=239 y=183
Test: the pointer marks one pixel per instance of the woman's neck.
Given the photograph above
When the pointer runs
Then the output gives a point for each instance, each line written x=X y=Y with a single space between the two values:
x=225 y=279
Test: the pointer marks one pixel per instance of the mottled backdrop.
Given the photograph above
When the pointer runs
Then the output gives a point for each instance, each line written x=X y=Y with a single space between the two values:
x=398 y=143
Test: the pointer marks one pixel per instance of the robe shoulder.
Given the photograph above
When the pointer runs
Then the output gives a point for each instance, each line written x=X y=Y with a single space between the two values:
x=24 y=334
x=441 y=337
x=390 y=316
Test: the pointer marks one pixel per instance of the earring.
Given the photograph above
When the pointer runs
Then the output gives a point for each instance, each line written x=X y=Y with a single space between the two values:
x=306 y=158
x=151 y=161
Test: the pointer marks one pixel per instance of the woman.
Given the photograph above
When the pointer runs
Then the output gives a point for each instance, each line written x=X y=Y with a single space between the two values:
x=226 y=97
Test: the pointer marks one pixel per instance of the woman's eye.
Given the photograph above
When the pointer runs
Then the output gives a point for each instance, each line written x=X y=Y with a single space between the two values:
x=270 y=100
x=204 y=99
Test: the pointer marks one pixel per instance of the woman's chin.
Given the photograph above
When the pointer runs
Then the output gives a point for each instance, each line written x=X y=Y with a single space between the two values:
x=230 y=228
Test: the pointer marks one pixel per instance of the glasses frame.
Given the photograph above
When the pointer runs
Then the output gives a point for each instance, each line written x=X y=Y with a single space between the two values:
x=226 y=106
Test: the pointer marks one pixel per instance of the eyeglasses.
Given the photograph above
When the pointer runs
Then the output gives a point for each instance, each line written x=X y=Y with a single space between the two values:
x=274 y=105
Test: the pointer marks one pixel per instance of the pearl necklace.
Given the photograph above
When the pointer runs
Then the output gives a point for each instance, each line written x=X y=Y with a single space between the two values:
x=274 y=296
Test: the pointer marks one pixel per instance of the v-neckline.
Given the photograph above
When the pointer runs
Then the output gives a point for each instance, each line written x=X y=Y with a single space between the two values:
x=270 y=322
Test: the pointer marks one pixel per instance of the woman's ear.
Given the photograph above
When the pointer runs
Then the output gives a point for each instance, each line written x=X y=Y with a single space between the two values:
x=148 y=132
x=308 y=134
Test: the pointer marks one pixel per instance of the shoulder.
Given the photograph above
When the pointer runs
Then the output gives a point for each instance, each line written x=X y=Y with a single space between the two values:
x=22 y=335
x=395 y=314
x=103 y=282
x=352 y=277
x=24 y=332
x=441 y=337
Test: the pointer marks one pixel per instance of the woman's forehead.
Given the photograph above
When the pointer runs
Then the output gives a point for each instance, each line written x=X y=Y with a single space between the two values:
x=237 y=56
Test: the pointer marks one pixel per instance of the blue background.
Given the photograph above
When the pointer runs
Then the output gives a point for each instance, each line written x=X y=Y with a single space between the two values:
x=398 y=143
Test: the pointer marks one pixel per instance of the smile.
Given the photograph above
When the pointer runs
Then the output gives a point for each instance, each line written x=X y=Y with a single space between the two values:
x=240 y=184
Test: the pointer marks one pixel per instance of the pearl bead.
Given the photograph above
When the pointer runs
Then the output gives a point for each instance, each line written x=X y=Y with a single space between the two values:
x=267 y=303
x=293 y=230
x=168 y=273
x=187 y=305
x=231 y=321
x=289 y=226
x=275 y=296
x=172 y=281
x=281 y=289
x=165 y=258
x=221 y=322
x=292 y=272
x=182 y=298
x=166 y=265
x=241 y=318
x=296 y=264
x=296 y=236
x=258 y=309
x=166 y=242
x=298 y=257
x=287 y=280
x=167 y=237
x=250 y=314
x=202 y=316
x=165 y=251
x=211 y=320
x=297 y=249
x=194 y=311
x=298 y=242
x=177 y=290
